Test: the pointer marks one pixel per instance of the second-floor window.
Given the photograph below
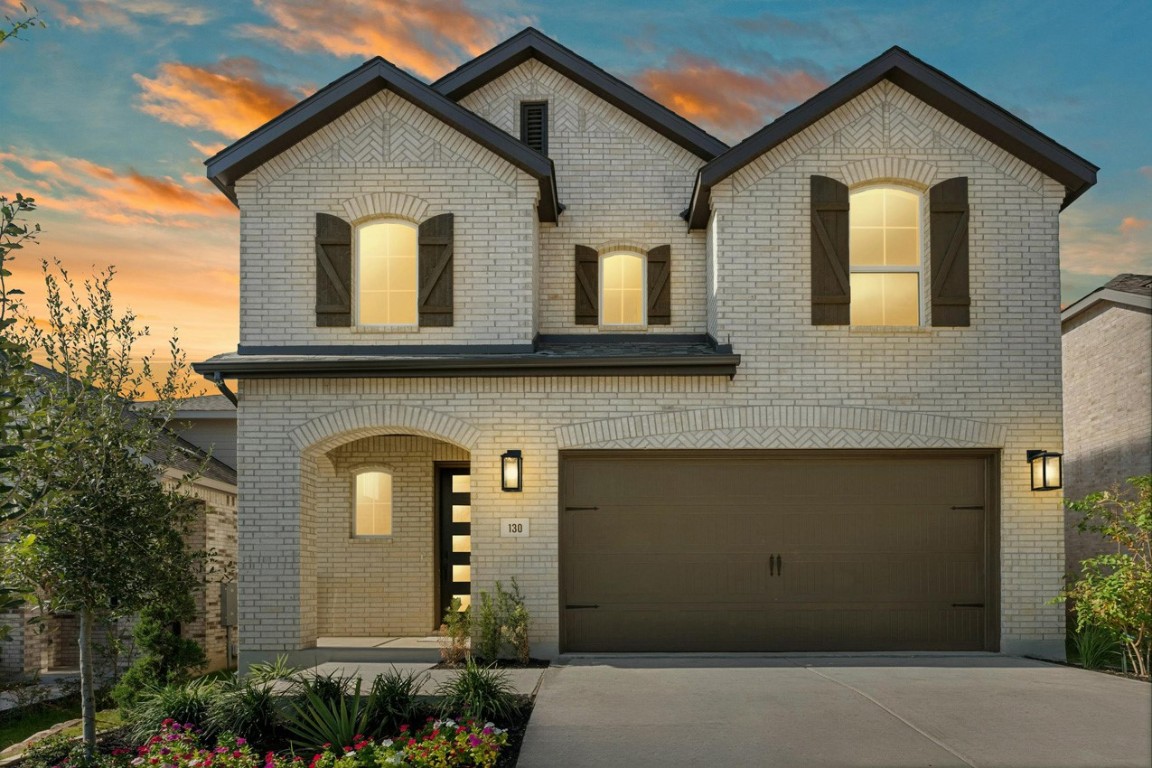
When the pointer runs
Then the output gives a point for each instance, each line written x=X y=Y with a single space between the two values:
x=622 y=295
x=386 y=274
x=884 y=256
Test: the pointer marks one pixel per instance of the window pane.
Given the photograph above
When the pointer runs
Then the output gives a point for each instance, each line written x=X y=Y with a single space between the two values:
x=867 y=208
x=461 y=513
x=461 y=483
x=386 y=273
x=373 y=514
x=886 y=299
x=622 y=290
x=866 y=247
x=902 y=247
x=462 y=543
x=465 y=601
x=901 y=209
x=462 y=573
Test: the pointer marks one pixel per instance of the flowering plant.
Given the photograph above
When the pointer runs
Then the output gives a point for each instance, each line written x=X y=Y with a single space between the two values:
x=180 y=746
x=439 y=744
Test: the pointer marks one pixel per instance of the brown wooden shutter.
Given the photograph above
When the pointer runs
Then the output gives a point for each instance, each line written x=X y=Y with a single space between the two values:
x=587 y=286
x=333 y=271
x=948 y=203
x=435 y=265
x=660 y=285
x=831 y=290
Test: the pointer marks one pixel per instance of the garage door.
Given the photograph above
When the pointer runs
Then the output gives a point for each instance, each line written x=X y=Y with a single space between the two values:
x=771 y=551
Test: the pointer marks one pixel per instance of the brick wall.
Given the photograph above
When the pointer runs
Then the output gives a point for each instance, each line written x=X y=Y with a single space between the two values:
x=1107 y=409
x=995 y=384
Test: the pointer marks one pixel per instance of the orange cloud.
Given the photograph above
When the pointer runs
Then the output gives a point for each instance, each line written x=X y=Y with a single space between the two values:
x=230 y=98
x=99 y=193
x=1091 y=245
x=427 y=37
x=730 y=102
x=124 y=14
x=1133 y=224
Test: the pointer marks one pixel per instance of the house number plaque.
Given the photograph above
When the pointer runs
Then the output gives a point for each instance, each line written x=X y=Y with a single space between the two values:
x=513 y=528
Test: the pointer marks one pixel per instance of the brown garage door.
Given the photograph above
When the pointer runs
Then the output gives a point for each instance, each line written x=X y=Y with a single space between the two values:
x=771 y=551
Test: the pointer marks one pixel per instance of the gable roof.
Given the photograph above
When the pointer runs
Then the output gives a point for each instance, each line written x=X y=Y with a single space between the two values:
x=1127 y=290
x=531 y=43
x=341 y=95
x=931 y=86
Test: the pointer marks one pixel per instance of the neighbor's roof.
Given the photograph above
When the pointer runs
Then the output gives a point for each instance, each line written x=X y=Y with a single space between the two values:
x=1127 y=290
x=534 y=44
x=931 y=86
x=336 y=98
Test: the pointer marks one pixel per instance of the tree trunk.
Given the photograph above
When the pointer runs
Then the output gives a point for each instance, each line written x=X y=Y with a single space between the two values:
x=87 y=684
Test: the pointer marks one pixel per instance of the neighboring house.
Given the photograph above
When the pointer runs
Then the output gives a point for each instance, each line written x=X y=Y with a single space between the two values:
x=770 y=397
x=209 y=423
x=52 y=645
x=1107 y=352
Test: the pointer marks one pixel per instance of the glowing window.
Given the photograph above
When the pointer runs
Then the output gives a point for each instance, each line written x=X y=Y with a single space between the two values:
x=622 y=300
x=884 y=256
x=386 y=273
x=373 y=514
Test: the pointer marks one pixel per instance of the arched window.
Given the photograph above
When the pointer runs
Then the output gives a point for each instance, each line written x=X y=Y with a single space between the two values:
x=884 y=255
x=623 y=299
x=386 y=274
x=372 y=513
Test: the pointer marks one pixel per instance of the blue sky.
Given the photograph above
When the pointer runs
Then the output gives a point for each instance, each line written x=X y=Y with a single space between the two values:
x=113 y=106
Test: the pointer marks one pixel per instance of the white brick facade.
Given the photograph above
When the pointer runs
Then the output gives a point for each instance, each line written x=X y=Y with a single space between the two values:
x=995 y=384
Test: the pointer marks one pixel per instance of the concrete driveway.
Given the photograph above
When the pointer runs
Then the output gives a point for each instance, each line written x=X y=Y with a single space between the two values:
x=985 y=710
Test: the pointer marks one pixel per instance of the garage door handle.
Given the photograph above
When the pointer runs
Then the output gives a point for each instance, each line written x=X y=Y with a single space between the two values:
x=581 y=509
x=973 y=506
x=779 y=566
x=578 y=607
x=967 y=605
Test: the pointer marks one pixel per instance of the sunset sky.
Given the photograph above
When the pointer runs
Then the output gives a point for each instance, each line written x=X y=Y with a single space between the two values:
x=110 y=111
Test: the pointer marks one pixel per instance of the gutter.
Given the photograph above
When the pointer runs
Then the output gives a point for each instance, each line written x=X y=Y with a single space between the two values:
x=218 y=380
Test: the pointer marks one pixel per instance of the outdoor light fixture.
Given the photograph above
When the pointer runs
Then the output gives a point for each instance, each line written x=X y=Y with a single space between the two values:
x=1045 y=470
x=511 y=471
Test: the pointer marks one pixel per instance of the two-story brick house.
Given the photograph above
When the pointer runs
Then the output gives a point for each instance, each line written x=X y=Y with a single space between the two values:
x=769 y=397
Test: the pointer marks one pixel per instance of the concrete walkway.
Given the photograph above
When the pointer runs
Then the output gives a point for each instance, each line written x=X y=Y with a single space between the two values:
x=974 y=710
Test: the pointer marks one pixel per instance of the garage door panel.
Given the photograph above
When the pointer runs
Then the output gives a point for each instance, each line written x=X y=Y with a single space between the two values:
x=877 y=552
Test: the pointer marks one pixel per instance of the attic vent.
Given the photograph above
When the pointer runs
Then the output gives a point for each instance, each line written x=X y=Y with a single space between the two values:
x=534 y=125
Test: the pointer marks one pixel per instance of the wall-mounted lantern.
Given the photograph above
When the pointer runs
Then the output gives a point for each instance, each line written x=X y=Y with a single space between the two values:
x=512 y=471
x=1046 y=470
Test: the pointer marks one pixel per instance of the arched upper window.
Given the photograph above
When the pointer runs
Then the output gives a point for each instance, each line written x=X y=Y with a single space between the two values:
x=386 y=273
x=372 y=513
x=884 y=255
x=623 y=299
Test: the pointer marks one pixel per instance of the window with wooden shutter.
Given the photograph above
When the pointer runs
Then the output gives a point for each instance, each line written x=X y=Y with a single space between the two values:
x=333 y=271
x=948 y=206
x=435 y=265
x=587 y=286
x=660 y=285
x=831 y=291
x=534 y=125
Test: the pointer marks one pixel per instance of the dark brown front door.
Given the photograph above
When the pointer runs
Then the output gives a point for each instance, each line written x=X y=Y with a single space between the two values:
x=455 y=537
x=774 y=551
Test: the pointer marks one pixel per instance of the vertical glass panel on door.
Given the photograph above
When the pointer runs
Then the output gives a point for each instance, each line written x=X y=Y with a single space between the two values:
x=461 y=483
x=461 y=513
x=462 y=543
x=462 y=574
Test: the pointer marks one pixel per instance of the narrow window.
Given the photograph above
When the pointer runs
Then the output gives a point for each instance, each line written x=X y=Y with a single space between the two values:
x=884 y=256
x=386 y=273
x=622 y=300
x=534 y=125
x=373 y=513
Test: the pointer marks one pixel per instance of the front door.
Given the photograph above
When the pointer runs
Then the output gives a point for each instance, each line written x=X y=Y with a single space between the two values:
x=455 y=538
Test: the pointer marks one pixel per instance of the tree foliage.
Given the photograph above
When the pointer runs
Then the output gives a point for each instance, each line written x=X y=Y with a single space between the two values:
x=1114 y=591
x=100 y=530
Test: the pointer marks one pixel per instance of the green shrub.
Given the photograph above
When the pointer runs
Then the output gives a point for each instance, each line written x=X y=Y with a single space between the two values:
x=393 y=701
x=271 y=671
x=330 y=688
x=483 y=693
x=165 y=658
x=188 y=703
x=454 y=633
x=51 y=751
x=245 y=708
x=501 y=625
x=487 y=628
x=314 y=721
x=1095 y=647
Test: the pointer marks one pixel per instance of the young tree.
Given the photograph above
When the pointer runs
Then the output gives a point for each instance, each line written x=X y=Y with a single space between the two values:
x=104 y=535
x=1114 y=591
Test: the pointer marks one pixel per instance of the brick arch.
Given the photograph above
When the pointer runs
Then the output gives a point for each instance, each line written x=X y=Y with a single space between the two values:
x=889 y=168
x=782 y=427
x=376 y=204
x=324 y=433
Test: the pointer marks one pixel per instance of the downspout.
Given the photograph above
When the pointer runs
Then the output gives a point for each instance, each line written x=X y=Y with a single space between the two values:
x=218 y=380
